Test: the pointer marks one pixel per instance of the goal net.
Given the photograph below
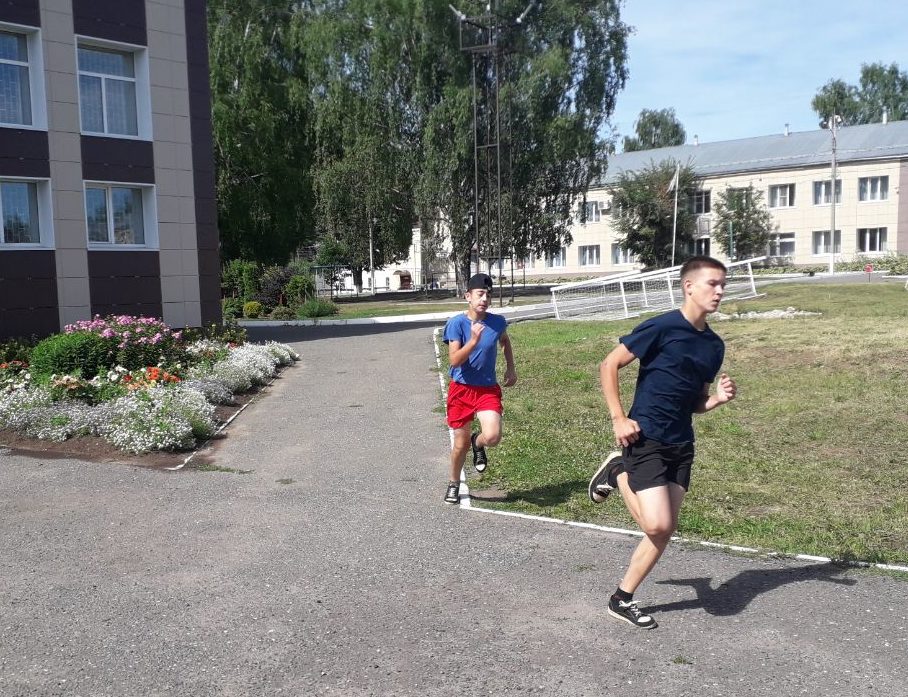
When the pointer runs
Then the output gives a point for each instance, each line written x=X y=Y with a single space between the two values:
x=634 y=293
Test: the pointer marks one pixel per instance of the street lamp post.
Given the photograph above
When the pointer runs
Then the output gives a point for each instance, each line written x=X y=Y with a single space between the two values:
x=832 y=123
x=371 y=262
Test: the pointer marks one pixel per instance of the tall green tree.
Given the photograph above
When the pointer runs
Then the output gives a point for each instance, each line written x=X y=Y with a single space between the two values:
x=364 y=168
x=882 y=88
x=655 y=128
x=743 y=223
x=644 y=202
x=558 y=81
x=261 y=133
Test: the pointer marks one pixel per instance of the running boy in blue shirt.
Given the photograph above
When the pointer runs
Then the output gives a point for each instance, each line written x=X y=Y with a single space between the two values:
x=680 y=357
x=473 y=338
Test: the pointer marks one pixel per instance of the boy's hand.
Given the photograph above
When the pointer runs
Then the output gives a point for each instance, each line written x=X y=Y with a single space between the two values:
x=726 y=389
x=476 y=329
x=510 y=377
x=627 y=431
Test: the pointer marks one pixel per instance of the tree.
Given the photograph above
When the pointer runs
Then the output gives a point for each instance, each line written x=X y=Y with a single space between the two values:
x=742 y=223
x=261 y=135
x=882 y=89
x=645 y=205
x=655 y=129
x=558 y=82
x=364 y=176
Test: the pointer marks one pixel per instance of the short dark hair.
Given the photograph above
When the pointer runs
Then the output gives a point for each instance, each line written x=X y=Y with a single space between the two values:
x=701 y=262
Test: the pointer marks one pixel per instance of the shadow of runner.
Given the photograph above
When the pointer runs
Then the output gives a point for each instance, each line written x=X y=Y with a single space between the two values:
x=734 y=595
x=549 y=495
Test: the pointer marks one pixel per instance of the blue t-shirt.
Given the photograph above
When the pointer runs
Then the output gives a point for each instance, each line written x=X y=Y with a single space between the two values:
x=479 y=368
x=676 y=360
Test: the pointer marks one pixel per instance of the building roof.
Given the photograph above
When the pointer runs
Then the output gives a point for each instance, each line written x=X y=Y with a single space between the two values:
x=803 y=149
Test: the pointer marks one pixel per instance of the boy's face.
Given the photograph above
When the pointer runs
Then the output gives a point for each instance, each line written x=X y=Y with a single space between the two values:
x=705 y=288
x=478 y=298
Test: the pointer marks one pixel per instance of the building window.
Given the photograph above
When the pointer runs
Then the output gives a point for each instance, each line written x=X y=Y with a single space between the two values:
x=821 y=242
x=114 y=97
x=589 y=255
x=19 y=212
x=116 y=214
x=557 y=259
x=782 y=196
x=699 y=247
x=872 y=239
x=821 y=192
x=529 y=261
x=873 y=188
x=22 y=100
x=622 y=256
x=782 y=244
x=592 y=211
x=699 y=202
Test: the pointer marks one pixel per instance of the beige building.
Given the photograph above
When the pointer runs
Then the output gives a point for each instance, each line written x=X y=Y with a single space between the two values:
x=793 y=171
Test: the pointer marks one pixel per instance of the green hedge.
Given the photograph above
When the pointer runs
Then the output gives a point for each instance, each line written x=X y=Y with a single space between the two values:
x=79 y=353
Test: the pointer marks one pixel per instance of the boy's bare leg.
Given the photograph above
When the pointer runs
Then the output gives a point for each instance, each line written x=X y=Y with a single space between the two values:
x=656 y=511
x=490 y=429
x=459 y=451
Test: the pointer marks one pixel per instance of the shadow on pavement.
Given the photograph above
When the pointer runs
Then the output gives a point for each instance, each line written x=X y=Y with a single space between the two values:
x=734 y=595
x=292 y=334
x=550 y=495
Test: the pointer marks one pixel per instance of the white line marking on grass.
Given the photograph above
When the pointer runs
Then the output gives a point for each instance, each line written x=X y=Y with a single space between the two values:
x=466 y=503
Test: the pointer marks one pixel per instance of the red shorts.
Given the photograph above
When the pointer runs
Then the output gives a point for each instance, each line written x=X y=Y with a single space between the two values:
x=465 y=400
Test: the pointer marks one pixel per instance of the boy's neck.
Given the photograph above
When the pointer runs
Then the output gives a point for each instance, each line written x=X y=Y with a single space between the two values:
x=694 y=315
x=475 y=315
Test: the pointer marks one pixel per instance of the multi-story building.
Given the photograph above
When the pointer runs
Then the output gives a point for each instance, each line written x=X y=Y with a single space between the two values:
x=106 y=168
x=793 y=171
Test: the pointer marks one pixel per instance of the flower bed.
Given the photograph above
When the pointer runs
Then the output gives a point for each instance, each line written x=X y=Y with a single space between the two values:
x=167 y=404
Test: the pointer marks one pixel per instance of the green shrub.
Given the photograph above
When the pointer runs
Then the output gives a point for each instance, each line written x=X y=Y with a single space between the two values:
x=79 y=353
x=16 y=350
x=271 y=286
x=317 y=308
x=240 y=279
x=282 y=312
x=299 y=289
x=252 y=309
x=231 y=308
x=229 y=333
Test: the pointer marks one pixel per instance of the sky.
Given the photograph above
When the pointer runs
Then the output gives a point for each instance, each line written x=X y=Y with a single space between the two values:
x=744 y=68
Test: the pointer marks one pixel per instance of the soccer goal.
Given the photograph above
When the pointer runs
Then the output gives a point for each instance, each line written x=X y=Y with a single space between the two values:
x=634 y=293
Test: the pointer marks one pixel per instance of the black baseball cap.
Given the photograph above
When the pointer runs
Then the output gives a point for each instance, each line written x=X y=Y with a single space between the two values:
x=480 y=281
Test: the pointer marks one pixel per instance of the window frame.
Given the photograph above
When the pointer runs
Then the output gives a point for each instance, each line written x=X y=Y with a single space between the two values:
x=775 y=244
x=593 y=212
x=561 y=256
x=882 y=194
x=45 y=215
x=882 y=240
x=149 y=215
x=700 y=202
x=836 y=243
x=790 y=195
x=141 y=79
x=582 y=253
x=35 y=65
x=622 y=257
x=823 y=198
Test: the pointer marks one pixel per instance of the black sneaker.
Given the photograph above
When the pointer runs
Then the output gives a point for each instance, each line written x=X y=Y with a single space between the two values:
x=452 y=495
x=480 y=461
x=606 y=478
x=630 y=613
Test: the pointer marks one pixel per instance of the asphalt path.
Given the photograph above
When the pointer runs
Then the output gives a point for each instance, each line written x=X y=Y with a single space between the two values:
x=334 y=568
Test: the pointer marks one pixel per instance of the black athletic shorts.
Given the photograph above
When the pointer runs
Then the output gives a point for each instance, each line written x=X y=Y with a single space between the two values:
x=649 y=463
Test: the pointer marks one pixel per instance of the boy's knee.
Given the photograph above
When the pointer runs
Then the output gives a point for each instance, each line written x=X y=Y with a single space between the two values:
x=660 y=531
x=492 y=439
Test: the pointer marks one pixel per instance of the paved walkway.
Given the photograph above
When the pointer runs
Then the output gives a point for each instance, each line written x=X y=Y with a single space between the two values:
x=333 y=568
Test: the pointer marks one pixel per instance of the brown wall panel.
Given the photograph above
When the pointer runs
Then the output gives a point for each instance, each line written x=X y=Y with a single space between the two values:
x=125 y=283
x=28 y=293
x=24 y=152
x=117 y=160
x=21 y=12
x=116 y=20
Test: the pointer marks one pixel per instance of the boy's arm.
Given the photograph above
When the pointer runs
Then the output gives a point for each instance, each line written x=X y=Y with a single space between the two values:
x=457 y=353
x=726 y=390
x=627 y=430
x=510 y=373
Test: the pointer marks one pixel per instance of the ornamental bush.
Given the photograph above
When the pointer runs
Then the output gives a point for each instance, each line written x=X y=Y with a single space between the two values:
x=81 y=353
x=135 y=342
x=317 y=308
x=252 y=309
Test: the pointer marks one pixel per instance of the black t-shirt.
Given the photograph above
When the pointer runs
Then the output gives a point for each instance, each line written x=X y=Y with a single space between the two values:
x=676 y=361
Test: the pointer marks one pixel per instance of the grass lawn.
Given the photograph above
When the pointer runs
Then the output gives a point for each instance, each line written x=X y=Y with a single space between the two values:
x=812 y=457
